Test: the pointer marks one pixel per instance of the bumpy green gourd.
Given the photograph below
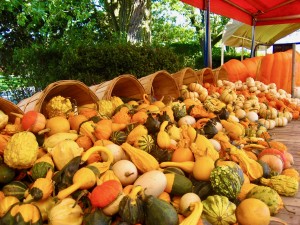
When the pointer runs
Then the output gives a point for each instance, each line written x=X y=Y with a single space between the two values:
x=284 y=185
x=218 y=209
x=268 y=196
x=226 y=181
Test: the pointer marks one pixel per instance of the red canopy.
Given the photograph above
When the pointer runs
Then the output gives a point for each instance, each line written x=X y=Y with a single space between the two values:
x=266 y=12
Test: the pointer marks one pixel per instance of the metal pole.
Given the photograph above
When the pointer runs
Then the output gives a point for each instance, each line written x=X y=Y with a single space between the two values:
x=293 y=70
x=207 y=43
x=253 y=37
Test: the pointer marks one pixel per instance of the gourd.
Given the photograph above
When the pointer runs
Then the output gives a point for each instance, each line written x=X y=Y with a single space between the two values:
x=33 y=121
x=153 y=182
x=97 y=217
x=65 y=211
x=218 y=209
x=58 y=106
x=16 y=189
x=22 y=213
x=284 y=185
x=103 y=129
x=104 y=194
x=21 y=150
x=116 y=151
x=159 y=212
x=152 y=124
x=6 y=203
x=85 y=177
x=107 y=175
x=202 y=188
x=185 y=166
x=42 y=188
x=225 y=181
x=163 y=138
x=143 y=160
x=41 y=166
x=186 y=120
x=186 y=200
x=196 y=212
x=228 y=96
x=131 y=206
x=118 y=137
x=134 y=134
x=126 y=171
x=145 y=143
x=7 y=174
x=64 y=151
x=56 y=124
x=268 y=196
x=178 y=184
x=54 y=139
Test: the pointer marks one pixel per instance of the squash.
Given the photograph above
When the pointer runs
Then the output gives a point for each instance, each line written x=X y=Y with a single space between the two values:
x=6 y=203
x=22 y=213
x=118 y=137
x=89 y=172
x=97 y=217
x=217 y=209
x=104 y=194
x=131 y=206
x=7 y=174
x=269 y=196
x=42 y=188
x=226 y=181
x=144 y=142
x=202 y=188
x=163 y=138
x=154 y=182
x=159 y=212
x=186 y=200
x=194 y=217
x=143 y=160
x=66 y=211
x=33 y=121
x=178 y=184
x=126 y=171
x=41 y=166
x=16 y=189
x=134 y=134
x=282 y=184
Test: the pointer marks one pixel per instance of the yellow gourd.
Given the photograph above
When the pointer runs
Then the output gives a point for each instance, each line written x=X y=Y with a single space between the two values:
x=163 y=138
x=141 y=159
x=138 y=131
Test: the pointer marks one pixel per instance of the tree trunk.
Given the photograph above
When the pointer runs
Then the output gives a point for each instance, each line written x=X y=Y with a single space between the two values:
x=139 y=24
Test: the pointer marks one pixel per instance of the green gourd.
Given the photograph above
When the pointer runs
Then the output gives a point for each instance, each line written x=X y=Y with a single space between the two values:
x=159 y=212
x=226 y=181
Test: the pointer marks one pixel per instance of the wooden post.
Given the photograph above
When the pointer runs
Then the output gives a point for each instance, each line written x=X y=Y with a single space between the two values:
x=293 y=70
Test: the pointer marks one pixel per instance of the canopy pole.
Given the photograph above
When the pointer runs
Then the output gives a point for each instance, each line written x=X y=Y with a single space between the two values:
x=207 y=44
x=293 y=71
x=253 y=36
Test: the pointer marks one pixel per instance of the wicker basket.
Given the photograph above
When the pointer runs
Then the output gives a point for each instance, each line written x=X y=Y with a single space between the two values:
x=206 y=75
x=185 y=77
x=73 y=89
x=220 y=73
x=7 y=107
x=160 y=85
x=124 y=86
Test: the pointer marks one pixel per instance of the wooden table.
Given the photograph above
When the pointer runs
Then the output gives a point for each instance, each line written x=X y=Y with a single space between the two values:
x=290 y=136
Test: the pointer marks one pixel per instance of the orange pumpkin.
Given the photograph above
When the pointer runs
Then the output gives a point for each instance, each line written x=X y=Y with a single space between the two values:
x=252 y=65
x=235 y=70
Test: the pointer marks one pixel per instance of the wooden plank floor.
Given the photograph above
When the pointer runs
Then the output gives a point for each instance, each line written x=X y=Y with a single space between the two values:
x=290 y=136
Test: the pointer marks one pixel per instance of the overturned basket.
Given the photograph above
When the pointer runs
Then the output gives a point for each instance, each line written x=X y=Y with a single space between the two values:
x=123 y=86
x=160 y=85
x=185 y=76
x=73 y=89
x=7 y=107
x=206 y=75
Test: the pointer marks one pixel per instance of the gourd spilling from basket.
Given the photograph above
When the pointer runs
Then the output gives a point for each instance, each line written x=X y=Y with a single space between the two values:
x=188 y=161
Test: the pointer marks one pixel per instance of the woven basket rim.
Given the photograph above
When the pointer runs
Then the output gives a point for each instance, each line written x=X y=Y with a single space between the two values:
x=7 y=107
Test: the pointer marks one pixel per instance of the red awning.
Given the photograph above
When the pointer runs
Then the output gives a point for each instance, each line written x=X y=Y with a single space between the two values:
x=266 y=12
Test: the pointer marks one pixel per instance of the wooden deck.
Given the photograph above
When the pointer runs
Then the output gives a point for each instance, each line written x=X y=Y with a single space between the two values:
x=290 y=136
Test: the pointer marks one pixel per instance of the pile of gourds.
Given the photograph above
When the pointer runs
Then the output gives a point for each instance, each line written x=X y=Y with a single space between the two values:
x=199 y=159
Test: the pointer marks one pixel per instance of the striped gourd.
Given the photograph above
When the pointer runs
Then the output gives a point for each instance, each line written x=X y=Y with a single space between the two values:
x=144 y=142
